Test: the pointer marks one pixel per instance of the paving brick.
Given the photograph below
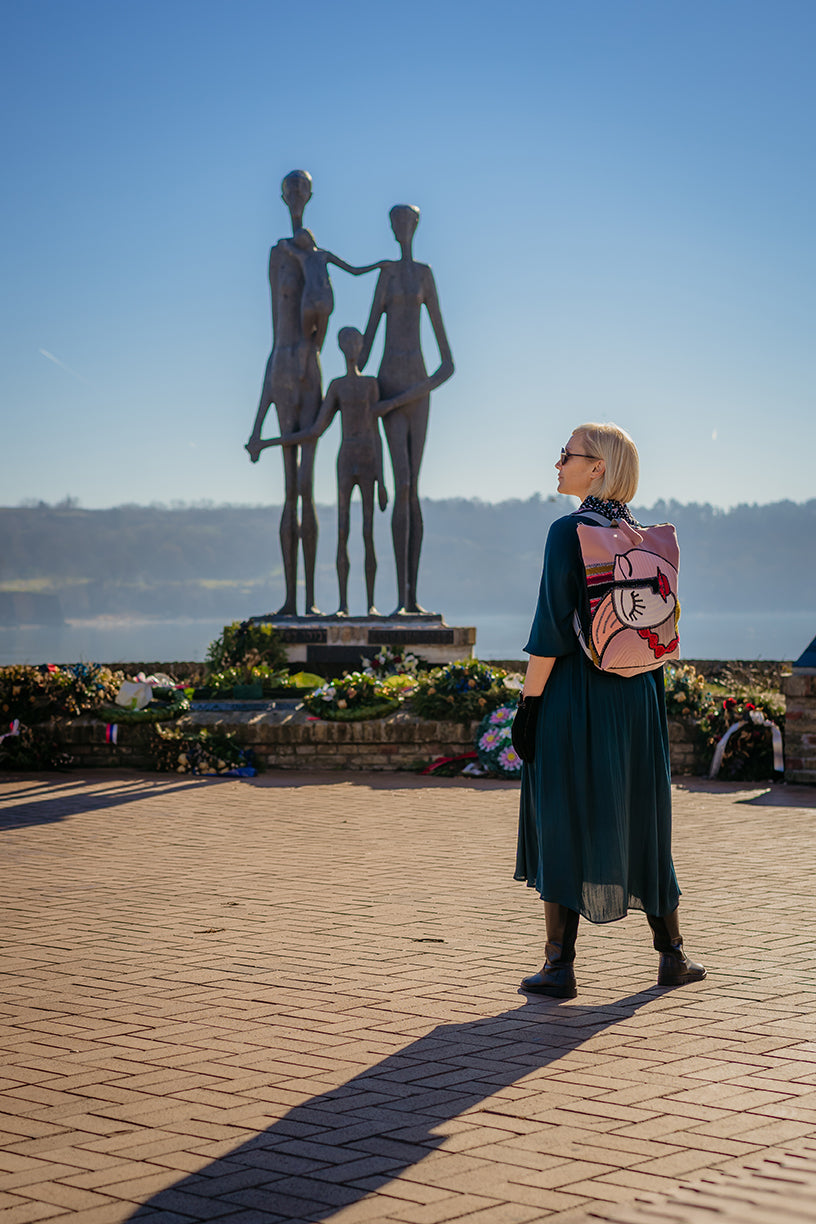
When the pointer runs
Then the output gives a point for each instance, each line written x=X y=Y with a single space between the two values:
x=26 y=1212
x=71 y=1198
x=261 y=1031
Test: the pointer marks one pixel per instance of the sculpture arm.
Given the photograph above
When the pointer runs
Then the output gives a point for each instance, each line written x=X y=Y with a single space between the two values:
x=274 y=261
x=341 y=263
x=399 y=401
x=446 y=367
x=417 y=391
x=324 y=418
x=377 y=311
x=322 y=422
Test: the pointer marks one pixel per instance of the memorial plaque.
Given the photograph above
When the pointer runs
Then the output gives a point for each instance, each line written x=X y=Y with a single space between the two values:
x=411 y=637
x=293 y=636
x=340 y=657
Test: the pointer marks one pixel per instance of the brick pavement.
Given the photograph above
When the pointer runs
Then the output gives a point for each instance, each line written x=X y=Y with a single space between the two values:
x=295 y=999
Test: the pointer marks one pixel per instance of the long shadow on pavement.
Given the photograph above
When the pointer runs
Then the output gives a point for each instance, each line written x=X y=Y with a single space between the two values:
x=49 y=806
x=338 y=1147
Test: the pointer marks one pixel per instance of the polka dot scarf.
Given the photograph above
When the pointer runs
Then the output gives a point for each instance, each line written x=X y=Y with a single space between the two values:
x=609 y=509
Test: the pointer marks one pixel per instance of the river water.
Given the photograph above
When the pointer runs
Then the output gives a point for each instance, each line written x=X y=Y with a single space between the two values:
x=703 y=635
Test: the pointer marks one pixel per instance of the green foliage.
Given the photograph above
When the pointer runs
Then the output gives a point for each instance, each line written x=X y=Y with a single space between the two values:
x=36 y=748
x=462 y=692
x=352 y=698
x=273 y=682
x=389 y=662
x=687 y=694
x=172 y=750
x=36 y=694
x=400 y=684
x=166 y=704
x=712 y=708
x=221 y=683
x=245 y=646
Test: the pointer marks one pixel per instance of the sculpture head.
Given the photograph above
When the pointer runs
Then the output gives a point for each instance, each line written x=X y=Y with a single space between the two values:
x=296 y=191
x=404 y=220
x=350 y=343
x=304 y=239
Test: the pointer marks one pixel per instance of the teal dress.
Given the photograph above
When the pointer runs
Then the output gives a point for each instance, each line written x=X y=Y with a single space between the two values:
x=595 y=818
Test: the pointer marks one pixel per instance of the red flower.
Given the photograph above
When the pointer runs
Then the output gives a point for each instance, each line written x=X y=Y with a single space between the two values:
x=730 y=703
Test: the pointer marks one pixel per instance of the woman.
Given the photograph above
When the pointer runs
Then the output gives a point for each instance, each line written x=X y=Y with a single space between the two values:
x=595 y=820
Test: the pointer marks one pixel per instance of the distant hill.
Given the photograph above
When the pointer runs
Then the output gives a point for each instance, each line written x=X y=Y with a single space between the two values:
x=223 y=561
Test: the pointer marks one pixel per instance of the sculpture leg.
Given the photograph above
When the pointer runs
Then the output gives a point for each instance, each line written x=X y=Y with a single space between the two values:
x=416 y=447
x=343 y=498
x=289 y=532
x=308 y=522
x=367 y=494
x=396 y=428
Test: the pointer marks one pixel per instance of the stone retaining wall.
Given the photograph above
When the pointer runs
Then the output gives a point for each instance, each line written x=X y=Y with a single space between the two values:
x=286 y=738
x=800 y=727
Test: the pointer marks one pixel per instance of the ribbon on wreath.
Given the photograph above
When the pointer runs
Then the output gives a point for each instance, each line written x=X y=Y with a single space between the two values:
x=112 y=733
x=14 y=729
x=438 y=762
x=758 y=720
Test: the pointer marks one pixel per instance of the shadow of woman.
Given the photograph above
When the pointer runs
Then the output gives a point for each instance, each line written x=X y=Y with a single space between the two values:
x=337 y=1148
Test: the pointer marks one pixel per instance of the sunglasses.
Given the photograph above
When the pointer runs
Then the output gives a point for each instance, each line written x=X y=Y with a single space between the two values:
x=565 y=455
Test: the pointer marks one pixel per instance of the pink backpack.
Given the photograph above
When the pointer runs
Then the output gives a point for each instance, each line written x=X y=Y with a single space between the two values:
x=631 y=575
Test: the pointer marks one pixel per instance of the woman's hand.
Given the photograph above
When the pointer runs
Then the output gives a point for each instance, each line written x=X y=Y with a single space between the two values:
x=524 y=724
x=523 y=730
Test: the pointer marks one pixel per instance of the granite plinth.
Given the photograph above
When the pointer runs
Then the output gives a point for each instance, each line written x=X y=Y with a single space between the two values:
x=333 y=644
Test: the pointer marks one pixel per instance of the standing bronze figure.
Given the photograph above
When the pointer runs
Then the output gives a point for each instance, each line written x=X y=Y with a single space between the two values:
x=359 y=462
x=403 y=288
x=302 y=302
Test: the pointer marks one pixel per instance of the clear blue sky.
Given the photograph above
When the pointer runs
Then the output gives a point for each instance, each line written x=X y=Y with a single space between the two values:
x=617 y=201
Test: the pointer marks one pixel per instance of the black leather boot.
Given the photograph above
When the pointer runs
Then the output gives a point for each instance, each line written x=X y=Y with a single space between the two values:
x=557 y=977
x=675 y=968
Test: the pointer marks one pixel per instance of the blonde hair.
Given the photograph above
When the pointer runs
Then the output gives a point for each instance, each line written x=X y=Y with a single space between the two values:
x=609 y=442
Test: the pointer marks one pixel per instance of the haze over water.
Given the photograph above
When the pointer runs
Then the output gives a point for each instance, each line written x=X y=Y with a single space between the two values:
x=763 y=635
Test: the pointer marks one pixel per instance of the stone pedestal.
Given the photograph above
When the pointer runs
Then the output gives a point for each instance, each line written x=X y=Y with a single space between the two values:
x=330 y=645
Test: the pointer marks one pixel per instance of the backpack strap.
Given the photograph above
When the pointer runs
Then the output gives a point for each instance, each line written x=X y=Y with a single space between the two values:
x=602 y=521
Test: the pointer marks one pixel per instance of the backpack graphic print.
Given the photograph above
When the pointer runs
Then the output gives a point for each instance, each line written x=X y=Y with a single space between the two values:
x=631 y=575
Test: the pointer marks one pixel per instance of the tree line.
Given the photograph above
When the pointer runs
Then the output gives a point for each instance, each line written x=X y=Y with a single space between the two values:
x=224 y=560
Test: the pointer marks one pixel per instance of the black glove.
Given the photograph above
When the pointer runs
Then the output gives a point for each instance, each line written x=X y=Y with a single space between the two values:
x=524 y=728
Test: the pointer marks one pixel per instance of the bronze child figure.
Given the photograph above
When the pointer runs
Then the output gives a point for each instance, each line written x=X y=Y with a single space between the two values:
x=359 y=461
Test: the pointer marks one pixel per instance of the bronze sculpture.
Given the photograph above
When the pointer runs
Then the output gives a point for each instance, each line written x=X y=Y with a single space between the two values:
x=403 y=288
x=359 y=461
x=301 y=305
x=302 y=302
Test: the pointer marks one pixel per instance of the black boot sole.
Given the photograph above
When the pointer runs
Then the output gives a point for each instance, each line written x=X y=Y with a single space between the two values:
x=682 y=979
x=555 y=992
